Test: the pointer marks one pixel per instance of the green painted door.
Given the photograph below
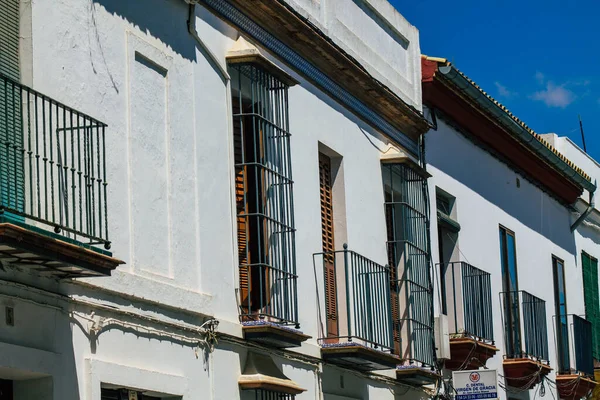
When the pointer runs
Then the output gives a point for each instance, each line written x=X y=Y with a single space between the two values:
x=592 y=300
x=11 y=115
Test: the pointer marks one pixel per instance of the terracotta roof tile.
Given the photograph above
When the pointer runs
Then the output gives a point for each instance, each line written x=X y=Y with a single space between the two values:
x=580 y=171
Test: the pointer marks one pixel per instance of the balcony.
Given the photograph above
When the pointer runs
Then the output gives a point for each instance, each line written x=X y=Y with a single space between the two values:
x=469 y=303
x=524 y=321
x=53 y=188
x=575 y=364
x=358 y=331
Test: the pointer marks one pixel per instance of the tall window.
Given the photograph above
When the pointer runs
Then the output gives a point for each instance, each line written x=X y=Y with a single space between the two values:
x=448 y=230
x=263 y=190
x=11 y=114
x=328 y=241
x=592 y=300
x=510 y=288
x=406 y=211
x=560 y=311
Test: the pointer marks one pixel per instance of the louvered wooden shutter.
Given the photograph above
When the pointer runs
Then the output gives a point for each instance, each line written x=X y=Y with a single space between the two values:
x=9 y=38
x=242 y=226
x=327 y=237
x=389 y=220
x=250 y=197
x=11 y=123
x=592 y=299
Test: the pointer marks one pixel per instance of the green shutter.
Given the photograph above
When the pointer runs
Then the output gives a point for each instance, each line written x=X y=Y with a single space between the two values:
x=592 y=299
x=9 y=38
x=11 y=114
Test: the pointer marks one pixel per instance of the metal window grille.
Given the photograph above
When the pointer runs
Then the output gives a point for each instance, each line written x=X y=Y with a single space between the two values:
x=528 y=314
x=407 y=211
x=261 y=394
x=263 y=189
x=52 y=164
x=366 y=291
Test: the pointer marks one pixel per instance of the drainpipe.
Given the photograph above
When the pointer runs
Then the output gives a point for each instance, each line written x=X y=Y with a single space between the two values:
x=214 y=60
x=587 y=212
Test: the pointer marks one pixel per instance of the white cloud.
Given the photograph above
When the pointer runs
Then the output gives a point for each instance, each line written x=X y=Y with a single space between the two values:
x=503 y=91
x=555 y=96
x=540 y=77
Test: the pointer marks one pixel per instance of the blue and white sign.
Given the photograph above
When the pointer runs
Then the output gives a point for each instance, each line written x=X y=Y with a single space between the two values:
x=475 y=385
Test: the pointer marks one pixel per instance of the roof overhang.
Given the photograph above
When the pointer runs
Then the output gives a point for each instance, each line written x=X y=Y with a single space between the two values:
x=287 y=25
x=491 y=125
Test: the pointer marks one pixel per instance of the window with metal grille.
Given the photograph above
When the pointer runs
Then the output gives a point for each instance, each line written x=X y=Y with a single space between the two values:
x=263 y=192
x=592 y=299
x=406 y=208
x=261 y=394
x=124 y=394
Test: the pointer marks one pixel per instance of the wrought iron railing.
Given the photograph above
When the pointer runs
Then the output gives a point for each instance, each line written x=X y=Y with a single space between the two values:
x=573 y=338
x=473 y=315
x=52 y=165
x=362 y=299
x=524 y=320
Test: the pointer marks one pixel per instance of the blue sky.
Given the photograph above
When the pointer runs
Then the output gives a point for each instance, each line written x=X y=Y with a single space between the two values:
x=540 y=58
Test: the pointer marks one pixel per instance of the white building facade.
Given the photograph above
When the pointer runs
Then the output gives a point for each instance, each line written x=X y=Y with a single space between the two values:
x=515 y=265
x=193 y=204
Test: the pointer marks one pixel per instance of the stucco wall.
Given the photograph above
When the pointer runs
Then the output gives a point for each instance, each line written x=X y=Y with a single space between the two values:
x=170 y=203
x=488 y=195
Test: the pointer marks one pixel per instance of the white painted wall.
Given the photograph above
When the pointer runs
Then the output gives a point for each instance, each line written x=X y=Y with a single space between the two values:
x=487 y=196
x=375 y=34
x=134 y=66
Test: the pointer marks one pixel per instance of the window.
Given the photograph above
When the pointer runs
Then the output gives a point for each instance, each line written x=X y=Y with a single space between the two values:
x=560 y=310
x=510 y=292
x=328 y=241
x=591 y=298
x=263 y=191
x=124 y=394
x=262 y=394
x=447 y=229
x=406 y=205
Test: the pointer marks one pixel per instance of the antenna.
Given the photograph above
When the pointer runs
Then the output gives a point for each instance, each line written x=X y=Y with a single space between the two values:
x=582 y=135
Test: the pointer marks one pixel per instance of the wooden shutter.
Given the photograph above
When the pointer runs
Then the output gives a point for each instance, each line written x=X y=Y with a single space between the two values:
x=9 y=38
x=327 y=237
x=242 y=226
x=11 y=119
x=393 y=265
x=249 y=196
x=592 y=299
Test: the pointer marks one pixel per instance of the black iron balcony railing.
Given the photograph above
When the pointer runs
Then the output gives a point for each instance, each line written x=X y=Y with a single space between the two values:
x=361 y=297
x=52 y=165
x=573 y=339
x=524 y=320
x=471 y=303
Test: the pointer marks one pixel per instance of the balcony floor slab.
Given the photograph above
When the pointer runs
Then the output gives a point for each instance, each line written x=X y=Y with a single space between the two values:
x=28 y=248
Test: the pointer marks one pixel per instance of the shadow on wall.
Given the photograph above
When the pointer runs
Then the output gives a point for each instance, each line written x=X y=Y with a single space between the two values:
x=458 y=157
x=164 y=20
x=589 y=232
